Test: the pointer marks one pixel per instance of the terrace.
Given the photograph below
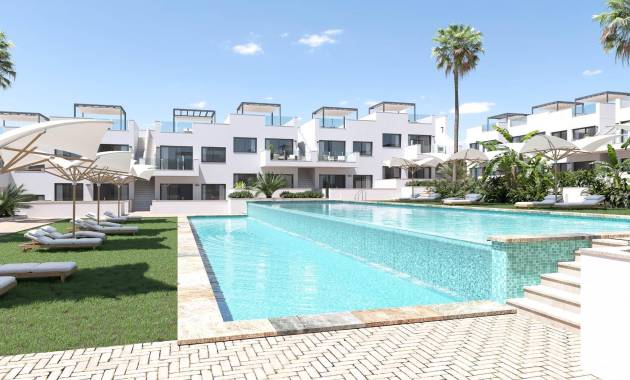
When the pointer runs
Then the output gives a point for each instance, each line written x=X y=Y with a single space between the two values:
x=554 y=106
x=16 y=119
x=334 y=117
x=506 y=120
x=398 y=108
x=116 y=114
x=272 y=113
x=183 y=119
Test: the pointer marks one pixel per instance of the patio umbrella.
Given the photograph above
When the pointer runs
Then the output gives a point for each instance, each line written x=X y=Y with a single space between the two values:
x=34 y=144
x=466 y=155
x=106 y=166
x=595 y=143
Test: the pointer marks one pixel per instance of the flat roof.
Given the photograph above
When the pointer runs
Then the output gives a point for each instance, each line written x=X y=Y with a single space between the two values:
x=193 y=114
x=34 y=117
x=334 y=111
x=392 y=106
x=258 y=107
x=507 y=115
x=99 y=109
x=555 y=105
x=602 y=97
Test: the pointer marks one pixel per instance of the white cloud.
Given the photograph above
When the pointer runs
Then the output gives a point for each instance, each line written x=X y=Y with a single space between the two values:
x=370 y=103
x=474 y=107
x=268 y=98
x=592 y=72
x=343 y=102
x=249 y=48
x=319 y=39
x=199 y=104
x=284 y=35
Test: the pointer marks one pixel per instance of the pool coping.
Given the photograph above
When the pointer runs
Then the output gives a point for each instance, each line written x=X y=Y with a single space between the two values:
x=200 y=313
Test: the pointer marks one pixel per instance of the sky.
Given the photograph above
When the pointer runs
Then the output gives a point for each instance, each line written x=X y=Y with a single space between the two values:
x=152 y=56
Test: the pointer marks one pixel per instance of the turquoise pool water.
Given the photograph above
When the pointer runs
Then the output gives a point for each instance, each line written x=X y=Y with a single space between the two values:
x=469 y=225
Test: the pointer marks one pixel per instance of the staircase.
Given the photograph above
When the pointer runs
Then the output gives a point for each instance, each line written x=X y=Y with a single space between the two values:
x=556 y=301
x=144 y=193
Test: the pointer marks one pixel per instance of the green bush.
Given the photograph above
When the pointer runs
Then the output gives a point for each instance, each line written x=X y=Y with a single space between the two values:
x=302 y=194
x=447 y=188
x=241 y=194
x=578 y=178
x=12 y=199
x=418 y=182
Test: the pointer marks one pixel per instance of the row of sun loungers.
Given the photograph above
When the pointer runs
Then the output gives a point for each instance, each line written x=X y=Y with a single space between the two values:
x=9 y=273
x=110 y=217
x=589 y=201
x=108 y=228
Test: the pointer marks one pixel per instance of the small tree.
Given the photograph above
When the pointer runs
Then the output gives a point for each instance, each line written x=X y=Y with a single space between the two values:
x=7 y=71
x=268 y=183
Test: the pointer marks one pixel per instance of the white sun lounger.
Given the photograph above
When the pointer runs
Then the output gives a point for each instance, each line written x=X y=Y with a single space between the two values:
x=590 y=201
x=39 y=240
x=547 y=201
x=7 y=283
x=124 y=218
x=468 y=199
x=39 y=270
x=105 y=227
x=52 y=232
x=431 y=196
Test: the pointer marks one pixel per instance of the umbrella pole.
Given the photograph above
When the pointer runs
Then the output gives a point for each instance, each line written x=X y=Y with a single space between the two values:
x=74 y=208
x=98 y=203
x=118 y=191
x=555 y=180
x=454 y=171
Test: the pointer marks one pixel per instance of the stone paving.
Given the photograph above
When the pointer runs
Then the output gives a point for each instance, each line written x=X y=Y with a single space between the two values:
x=17 y=225
x=499 y=347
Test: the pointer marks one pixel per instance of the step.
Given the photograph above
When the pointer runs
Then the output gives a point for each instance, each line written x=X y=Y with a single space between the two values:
x=561 y=299
x=569 y=267
x=548 y=314
x=610 y=242
x=561 y=281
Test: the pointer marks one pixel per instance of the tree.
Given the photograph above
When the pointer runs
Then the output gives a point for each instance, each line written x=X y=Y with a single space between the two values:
x=616 y=29
x=268 y=183
x=7 y=71
x=614 y=168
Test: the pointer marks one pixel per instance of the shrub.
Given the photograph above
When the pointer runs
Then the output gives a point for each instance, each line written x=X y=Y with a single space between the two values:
x=447 y=188
x=12 y=199
x=268 y=183
x=418 y=182
x=241 y=194
x=302 y=194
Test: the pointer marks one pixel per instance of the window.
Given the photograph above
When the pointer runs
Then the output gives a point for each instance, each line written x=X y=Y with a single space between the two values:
x=212 y=154
x=389 y=173
x=109 y=192
x=419 y=173
x=362 y=181
x=176 y=191
x=175 y=157
x=249 y=179
x=583 y=165
x=281 y=147
x=561 y=167
x=113 y=148
x=244 y=145
x=34 y=168
x=517 y=139
x=35 y=197
x=212 y=192
x=329 y=149
x=288 y=178
x=423 y=140
x=474 y=145
x=391 y=140
x=332 y=181
x=364 y=148
x=63 y=191
x=561 y=134
x=63 y=153
x=581 y=133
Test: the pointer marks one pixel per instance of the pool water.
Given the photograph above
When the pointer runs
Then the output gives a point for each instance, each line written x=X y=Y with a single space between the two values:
x=468 y=225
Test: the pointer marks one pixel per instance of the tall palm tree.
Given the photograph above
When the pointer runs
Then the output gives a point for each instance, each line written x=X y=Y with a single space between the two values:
x=616 y=29
x=7 y=72
x=457 y=52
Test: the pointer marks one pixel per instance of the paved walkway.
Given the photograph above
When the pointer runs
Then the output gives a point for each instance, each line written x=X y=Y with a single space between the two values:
x=502 y=347
x=12 y=226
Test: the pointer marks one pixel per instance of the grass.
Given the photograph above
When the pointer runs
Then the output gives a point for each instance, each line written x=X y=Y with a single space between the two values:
x=510 y=206
x=124 y=292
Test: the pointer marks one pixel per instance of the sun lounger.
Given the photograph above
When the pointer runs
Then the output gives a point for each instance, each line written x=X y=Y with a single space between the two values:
x=52 y=232
x=39 y=270
x=106 y=228
x=431 y=196
x=7 y=283
x=468 y=199
x=39 y=240
x=124 y=218
x=547 y=201
x=105 y=219
x=590 y=201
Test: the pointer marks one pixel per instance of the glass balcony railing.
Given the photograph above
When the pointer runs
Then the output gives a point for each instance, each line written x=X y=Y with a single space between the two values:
x=332 y=122
x=416 y=118
x=625 y=103
x=275 y=120
x=517 y=122
x=584 y=109
x=180 y=127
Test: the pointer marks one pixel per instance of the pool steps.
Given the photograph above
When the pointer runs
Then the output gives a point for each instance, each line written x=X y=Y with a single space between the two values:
x=556 y=301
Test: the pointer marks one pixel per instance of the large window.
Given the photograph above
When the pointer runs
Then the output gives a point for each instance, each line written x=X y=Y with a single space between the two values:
x=582 y=165
x=63 y=153
x=581 y=133
x=212 y=154
x=175 y=157
x=423 y=140
x=389 y=173
x=109 y=192
x=113 y=148
x=176 y=192
x=281 y=147
x=561 y=134
x=362 y=181
x=212 y=192
x=391 y=140
x=332 y=181
x=63 y=192
x=249 y=179
x=419 y=173
x=288 y=179
x=364 y=148
x=244 y=145
x=331 y=150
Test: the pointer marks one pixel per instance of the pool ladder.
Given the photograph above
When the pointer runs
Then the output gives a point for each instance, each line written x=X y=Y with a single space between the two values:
x=360 y=195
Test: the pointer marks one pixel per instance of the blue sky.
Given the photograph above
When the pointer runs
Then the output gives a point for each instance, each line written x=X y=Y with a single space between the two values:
x=151 y=56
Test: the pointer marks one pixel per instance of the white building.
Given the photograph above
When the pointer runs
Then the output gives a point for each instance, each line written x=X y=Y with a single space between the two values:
x=198 y=158
x=571 y=120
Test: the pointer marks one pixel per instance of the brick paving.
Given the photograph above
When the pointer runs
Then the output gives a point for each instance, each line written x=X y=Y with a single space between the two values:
x=500 y=347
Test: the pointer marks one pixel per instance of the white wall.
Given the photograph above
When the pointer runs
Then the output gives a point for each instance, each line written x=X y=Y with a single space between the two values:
x=48 y=209
x=363 y=194
x=227 y=207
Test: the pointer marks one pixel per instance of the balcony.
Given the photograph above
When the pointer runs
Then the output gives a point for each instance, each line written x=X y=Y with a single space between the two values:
x=114 y=113
x=309 y=159
x=582 y=109
x=334 y=117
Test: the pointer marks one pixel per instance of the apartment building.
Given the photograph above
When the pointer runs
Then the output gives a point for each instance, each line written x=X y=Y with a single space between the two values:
x=198 y=158
x=568 y=119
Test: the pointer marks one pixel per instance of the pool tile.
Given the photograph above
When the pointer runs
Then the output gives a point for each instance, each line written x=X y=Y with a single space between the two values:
x=287 y=325
x=397 y=315
x=324 y=322
x=471 y=309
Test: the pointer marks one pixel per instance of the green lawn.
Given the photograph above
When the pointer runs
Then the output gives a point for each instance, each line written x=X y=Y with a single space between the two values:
x=508 y=206
x=124 y=292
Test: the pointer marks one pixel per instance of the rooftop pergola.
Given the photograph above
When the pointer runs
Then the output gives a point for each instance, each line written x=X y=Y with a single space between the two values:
x=274 y=110
x=21 y=117
x=503 y=117
x=556 y=105
x=194 y=115
x=82 y=109
x=602 y=97
x=392 y=107
x=341 y=113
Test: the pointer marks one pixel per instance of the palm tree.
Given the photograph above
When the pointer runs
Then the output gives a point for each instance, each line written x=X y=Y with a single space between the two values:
x=268 y=183
x=457 y=53
x=13 y=199
x=614 y=168
x=616 y=29
x=7 y=72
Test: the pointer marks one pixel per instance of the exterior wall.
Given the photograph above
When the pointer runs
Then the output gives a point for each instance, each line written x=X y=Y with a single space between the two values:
x=46 y=209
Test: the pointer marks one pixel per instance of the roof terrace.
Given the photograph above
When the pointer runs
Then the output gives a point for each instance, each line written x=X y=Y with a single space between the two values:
x=18 y=119
x=505 y=120
x=115 y=113
x=603 y=97
x=554 y=106
x=397 y=107
x=271 y=111
x=334 y=117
